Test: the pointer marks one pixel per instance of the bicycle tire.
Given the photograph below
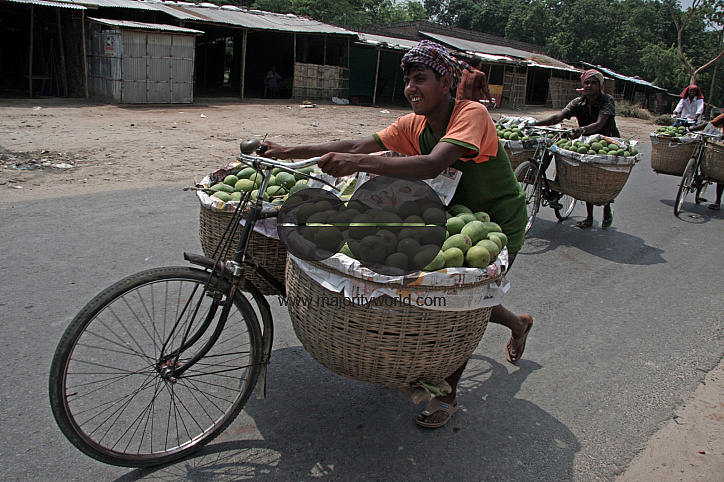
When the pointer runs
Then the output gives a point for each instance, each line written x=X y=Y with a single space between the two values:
x=527 y=175
x=686 y=185
x=106 y=390
x=568 y=203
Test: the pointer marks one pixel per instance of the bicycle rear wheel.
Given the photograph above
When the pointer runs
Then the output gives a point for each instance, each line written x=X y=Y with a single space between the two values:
x=527 y=175
x=686 y=186
x=108 y=391
x=568 y=203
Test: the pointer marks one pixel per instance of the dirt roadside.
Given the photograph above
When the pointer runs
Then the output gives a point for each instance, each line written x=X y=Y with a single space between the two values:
x=58 y=147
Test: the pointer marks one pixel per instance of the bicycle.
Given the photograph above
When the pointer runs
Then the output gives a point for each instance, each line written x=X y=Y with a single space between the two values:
x=539 y=190
x=693 y=179
x=142 y=375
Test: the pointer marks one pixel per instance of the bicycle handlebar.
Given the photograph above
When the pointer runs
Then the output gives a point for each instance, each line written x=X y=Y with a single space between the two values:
x=265 y=162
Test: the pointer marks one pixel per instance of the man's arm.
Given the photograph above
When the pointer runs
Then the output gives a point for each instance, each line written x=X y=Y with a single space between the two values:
x=551 y=119
x=342 y=158
x=592 y=128
x=366 y=145
x=443 y=155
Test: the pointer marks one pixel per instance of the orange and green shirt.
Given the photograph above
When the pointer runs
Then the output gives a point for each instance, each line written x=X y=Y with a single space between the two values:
x=488 y=183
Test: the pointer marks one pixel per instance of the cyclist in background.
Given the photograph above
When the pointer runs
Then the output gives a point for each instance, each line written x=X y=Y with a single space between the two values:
x=690 y=107
x=595 y=112
x=718 y=121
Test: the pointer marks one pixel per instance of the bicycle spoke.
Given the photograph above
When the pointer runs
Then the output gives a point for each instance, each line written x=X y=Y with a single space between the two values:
x=117 y=397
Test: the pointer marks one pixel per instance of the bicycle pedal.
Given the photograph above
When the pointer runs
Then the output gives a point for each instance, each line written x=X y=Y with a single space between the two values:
x=555 y=205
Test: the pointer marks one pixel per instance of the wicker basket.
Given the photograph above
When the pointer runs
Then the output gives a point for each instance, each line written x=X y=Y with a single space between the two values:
x=589 y=181
x=395 y=345
x=267 y=252
x=519 y=157
x=712 y=165
x=669 y=156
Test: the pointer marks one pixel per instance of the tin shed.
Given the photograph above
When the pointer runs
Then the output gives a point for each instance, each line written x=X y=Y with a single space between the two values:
x=141 y=63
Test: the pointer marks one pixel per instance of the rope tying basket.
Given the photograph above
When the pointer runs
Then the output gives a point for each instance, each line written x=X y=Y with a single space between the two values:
x=593 y=179
x=388 y=342
x=669 y=155
x=267 y=252
x=712 y=165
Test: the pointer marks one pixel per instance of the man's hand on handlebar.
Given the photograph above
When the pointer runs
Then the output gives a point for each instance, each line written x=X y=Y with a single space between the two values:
x=272 y=149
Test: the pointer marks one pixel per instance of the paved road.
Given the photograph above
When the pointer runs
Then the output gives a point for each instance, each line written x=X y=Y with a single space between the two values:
x=628 y=321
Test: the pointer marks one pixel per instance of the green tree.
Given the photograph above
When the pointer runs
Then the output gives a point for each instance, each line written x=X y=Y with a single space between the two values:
x=710 y=13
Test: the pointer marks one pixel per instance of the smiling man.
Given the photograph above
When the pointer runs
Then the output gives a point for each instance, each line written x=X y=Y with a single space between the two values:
x=440 y=133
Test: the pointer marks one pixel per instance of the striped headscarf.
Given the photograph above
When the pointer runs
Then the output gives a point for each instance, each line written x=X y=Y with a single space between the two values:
x=592 y=73
x=437 y=58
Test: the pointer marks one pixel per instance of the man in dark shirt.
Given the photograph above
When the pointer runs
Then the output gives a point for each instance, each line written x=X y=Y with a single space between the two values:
x=595 y=112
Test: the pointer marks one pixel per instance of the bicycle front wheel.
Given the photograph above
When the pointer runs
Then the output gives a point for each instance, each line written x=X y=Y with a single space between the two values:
x=568 y=203
x=686 y=186
x=109 y=386
x=527 y=175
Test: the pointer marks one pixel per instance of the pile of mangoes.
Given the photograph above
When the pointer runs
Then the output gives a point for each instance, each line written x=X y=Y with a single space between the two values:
x=671 y=131
x=599 y=147
x=280 y=186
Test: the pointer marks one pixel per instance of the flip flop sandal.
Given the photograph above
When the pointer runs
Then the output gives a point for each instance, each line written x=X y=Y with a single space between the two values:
x=607 y=222
x=435 y=406
x=715 y=206
x=585 y=224
x=514 y=354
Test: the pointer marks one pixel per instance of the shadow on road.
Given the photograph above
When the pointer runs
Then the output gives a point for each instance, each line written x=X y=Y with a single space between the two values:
x=314 y=424
x=609 y=244
x=691 y=212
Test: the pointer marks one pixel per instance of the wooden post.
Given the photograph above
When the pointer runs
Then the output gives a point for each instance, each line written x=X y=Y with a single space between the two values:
x=62 y=54
x=377 y=75
x=30 y=54
x=85 y=53
x=243 y=63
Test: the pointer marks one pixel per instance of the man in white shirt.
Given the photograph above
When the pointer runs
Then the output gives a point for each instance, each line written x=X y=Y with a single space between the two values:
x=690 y=107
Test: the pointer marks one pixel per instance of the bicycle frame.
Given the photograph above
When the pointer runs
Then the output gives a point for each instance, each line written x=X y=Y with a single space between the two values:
x=233 y=270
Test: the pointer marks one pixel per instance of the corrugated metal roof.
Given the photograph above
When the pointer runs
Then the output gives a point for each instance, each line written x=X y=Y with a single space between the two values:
x=473 y=47
x=46 y=3
x=386 y=42
x=615 y=75
x=226 y=15
x=252 y=19
x=145 y=26
x=94 y=4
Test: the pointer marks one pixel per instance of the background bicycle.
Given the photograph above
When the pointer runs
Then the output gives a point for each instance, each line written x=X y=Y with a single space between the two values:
x=705 y=167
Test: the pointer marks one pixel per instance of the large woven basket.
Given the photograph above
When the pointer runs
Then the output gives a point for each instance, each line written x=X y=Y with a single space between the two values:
x=589 y=181
x=516 y=159
x=390 y=344
x=712 y=165
x=669 y=156
x=267 y=252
